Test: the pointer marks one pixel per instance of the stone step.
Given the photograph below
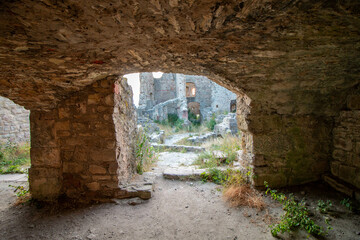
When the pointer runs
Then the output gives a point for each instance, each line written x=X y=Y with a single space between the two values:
x=142 y=186
x=190 y=173
x=179 y=148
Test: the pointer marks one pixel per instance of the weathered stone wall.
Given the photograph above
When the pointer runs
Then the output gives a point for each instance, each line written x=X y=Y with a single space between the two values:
x=14 y=121
x=165 y=88
x=147 y=88
x=83 y=148
x=221 y=98
x=346 y=140
x=203 y=90
x=296 y=60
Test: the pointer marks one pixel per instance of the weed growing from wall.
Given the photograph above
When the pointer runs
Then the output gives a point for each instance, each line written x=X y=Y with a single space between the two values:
x=145 y=153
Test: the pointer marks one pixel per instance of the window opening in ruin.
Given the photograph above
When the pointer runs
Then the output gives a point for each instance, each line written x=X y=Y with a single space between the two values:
x=190 y=90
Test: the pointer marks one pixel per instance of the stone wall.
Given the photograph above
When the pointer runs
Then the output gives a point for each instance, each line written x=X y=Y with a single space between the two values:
x=346 y=140
x=14 y=122
x=165 y=88
x=203 y=94
x=83 y=148
x=221 y=98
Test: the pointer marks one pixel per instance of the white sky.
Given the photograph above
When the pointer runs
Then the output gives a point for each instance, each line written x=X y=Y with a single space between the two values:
x=134 y=82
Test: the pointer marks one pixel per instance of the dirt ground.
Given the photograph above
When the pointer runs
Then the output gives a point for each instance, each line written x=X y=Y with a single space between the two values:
x=178 y=210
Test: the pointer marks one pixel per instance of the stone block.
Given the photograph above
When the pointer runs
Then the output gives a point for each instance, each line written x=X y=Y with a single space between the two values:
x=343 y=143
x=93 y=186
x=64 y=113
x=96 y=169
x=334 y=167
x=70 y=167
x=113 y=167
x=62 y=125
x=353 y=102
x=347 y=173
x=101 y=177
x=103 y=155
x=49 y=157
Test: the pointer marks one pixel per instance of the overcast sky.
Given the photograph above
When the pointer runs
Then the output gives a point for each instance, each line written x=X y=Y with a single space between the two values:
x=134 y=82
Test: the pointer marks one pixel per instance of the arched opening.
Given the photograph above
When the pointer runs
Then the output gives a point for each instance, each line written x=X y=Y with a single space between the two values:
x=14 y=137
x=211 y=114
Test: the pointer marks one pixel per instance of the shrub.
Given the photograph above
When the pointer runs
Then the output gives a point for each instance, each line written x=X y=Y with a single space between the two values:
x=195 y=120
x=13 y=156
x=211 y=123
x=172 y=118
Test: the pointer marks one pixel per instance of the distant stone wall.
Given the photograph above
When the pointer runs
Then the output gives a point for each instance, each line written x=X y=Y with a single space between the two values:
x=346 y=139
x=165 y=88
x=203 y=90
x=221 y=98
x=14 y=122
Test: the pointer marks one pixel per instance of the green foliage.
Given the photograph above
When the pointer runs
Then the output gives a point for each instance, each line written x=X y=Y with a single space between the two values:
x=178 y=124
x=228 y=145
x=324 y=207
x=296 y=215
x=145 y=153
x=211 y=123
x=20 y=190
x=13 y=156
x=225 y=177
x=347 y=203
x=172 y=118
x=215 y=175
x=194 y=119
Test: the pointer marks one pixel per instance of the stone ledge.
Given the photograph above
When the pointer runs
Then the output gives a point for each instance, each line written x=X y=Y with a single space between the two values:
x=342 y=187
x=171 y=147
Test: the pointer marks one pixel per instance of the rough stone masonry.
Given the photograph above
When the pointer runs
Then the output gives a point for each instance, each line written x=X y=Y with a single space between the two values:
x=14 y=122
x=293 y=64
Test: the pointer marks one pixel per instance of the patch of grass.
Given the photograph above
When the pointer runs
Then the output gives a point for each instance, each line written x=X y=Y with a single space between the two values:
x=295 y=216
x=229 y=146
x=14 y=157
x=146 y=155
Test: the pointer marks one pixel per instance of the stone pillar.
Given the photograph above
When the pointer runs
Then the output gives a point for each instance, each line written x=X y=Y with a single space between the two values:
x=346 y=140
x=181 y=94
x=146 y=100
x=83 y=148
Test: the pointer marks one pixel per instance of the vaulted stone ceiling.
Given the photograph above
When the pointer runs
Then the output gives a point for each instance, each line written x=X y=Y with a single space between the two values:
x=295 y=57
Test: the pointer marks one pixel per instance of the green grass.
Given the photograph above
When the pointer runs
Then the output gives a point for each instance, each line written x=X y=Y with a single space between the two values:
x=14 y=157
x=228 y=145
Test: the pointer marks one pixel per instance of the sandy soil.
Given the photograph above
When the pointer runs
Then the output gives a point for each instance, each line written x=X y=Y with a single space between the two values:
x=178 y=210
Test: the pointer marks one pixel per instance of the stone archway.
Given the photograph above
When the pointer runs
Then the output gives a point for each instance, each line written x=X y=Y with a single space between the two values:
x=297 y=61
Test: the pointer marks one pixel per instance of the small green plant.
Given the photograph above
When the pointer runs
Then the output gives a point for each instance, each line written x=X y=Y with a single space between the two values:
x=324 y=207
x=211 y=123
x=145 y=153
x=215 y=175
x=347 y=203
x=296 y=215
x=20 y=190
